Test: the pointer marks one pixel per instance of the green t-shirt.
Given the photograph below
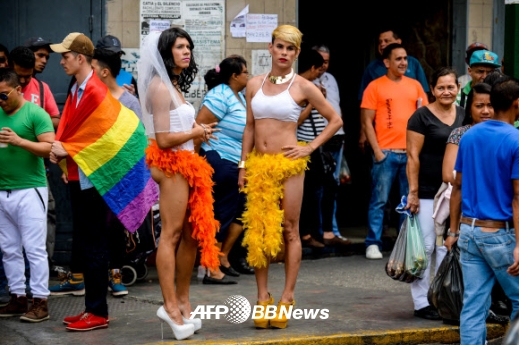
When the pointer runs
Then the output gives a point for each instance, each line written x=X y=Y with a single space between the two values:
x=20 y=169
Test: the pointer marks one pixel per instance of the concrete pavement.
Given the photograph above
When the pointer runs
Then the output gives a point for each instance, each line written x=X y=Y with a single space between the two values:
x=365 y=307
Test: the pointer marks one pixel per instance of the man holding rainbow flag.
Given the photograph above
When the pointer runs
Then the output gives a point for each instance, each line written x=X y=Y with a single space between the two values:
x=100 y=146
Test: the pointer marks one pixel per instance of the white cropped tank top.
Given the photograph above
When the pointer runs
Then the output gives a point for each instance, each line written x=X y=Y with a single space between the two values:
x=280 y=107
x=179 y=119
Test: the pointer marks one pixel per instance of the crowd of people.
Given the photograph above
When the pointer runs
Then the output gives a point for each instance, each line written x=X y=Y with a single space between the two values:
x=254 y=170
x=415 y=138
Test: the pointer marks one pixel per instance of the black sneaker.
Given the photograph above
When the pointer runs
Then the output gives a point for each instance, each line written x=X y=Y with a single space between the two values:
x=229 y=271
x=428 y=313
x=499 y=319
x=243 y=267
x=224 y=281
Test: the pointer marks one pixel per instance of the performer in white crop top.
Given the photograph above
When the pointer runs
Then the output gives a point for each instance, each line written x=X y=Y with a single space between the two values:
x=166 y=70
x=273 y=164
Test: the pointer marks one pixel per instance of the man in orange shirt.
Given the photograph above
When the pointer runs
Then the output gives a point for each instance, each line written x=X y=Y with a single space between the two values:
x=388 y=102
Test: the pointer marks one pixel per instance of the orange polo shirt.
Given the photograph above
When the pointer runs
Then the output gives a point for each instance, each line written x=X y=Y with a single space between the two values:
x=394 y=103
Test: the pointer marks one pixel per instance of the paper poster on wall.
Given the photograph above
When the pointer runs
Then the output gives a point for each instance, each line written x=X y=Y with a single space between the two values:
x=239 y=23
x=164 y=13
x=159 y=25
x=203 y=20
x=129 y=60
x=260 y=27
x=261 y=62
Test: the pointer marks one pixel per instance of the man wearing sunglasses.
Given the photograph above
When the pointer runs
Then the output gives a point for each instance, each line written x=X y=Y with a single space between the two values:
x=26 y=135
x=34 y=90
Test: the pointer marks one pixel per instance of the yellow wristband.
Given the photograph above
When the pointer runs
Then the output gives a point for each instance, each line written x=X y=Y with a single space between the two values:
x=241 y=165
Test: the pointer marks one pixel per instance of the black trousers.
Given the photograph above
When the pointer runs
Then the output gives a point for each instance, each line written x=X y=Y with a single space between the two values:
x=315 y=178
x=90 y=240
x=116 y=242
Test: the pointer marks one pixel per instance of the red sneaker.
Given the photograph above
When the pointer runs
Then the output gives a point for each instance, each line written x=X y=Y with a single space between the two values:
x=71 y=319
x=88 y=322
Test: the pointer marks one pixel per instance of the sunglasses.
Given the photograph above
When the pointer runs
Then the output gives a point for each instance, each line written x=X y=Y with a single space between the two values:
x=3 y=59
x=5 y=97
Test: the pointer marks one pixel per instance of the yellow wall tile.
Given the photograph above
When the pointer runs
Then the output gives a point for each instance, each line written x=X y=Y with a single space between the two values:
x=130 y=10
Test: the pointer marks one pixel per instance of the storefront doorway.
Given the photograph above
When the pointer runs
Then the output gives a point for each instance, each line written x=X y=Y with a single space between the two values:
x=351 y=34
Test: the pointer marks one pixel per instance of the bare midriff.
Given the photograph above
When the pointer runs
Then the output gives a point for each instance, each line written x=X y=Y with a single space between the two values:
x=271 y=135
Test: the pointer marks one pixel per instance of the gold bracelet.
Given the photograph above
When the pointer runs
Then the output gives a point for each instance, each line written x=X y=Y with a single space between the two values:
x=311 y=146
x=241 y=165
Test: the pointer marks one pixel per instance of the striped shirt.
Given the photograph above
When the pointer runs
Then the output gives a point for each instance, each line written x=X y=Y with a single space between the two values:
x=232 y=115
x=305 y=132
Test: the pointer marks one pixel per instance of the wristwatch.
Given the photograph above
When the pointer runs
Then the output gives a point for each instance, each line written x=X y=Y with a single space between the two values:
x=453 y=234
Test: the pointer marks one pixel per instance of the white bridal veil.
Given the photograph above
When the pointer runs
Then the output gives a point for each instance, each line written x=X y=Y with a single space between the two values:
x=151 y=75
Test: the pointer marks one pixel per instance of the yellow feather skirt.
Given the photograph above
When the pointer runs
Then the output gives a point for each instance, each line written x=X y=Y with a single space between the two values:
x=263 y=217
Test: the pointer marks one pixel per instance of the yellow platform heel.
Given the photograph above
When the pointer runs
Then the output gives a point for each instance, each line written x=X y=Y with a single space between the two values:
x=263 y=322
x=281 y=321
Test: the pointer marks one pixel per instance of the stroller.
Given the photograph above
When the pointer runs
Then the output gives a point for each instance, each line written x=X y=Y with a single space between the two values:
x=139 y=246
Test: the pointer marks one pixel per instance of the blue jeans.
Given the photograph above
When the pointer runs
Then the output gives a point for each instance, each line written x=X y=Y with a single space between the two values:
x=337 y=155
x=383 y=175
x=485 y=256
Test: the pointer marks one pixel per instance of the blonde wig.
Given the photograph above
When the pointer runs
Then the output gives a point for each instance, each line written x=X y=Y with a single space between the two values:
x=289 y=34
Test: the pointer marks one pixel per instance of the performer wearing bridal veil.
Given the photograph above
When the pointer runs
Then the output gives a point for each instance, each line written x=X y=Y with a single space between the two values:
x=166 y=69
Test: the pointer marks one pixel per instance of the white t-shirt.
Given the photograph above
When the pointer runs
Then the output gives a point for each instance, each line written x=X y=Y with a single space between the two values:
x=332 y=94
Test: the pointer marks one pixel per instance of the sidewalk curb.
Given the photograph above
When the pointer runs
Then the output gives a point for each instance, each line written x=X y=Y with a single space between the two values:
x=445 y=335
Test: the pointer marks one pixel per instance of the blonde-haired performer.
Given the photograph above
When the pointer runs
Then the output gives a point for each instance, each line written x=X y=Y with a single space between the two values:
x=273 y=163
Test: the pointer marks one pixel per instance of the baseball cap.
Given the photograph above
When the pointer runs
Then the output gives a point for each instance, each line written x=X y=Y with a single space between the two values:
x=110 y=42
x=36 y=42
x=472 y=48
x=75 y=42
x=484 y=57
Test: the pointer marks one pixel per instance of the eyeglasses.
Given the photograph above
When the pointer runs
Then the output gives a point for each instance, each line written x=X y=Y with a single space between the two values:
x=3 y=59
x=5 y=97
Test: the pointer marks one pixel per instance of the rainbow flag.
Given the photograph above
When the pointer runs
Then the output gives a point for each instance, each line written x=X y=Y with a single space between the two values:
x=107 y=141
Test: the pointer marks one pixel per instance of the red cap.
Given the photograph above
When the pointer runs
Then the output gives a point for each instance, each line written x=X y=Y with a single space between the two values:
x=472 y=48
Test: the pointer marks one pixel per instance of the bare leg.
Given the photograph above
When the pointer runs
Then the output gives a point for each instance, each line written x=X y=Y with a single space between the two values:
x=217 y=274
x=186 y=256
x=173 y=204
x=291 y=204
x=233 y=233
x=262 y=275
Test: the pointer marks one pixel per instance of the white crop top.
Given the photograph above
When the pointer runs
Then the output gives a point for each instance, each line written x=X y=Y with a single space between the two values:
x=181 y=119
x=280 y=107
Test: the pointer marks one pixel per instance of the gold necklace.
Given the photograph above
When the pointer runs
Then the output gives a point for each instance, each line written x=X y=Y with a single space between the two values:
x=280 y=79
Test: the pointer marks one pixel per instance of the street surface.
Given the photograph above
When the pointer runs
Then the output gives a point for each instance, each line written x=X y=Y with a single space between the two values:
x=365 y=307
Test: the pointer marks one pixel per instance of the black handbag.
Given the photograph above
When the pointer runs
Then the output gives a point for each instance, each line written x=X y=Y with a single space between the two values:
x=335 y=143
x=329 y=163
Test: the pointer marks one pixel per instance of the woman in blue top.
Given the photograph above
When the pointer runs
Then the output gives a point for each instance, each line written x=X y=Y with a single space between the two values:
x=225 y=104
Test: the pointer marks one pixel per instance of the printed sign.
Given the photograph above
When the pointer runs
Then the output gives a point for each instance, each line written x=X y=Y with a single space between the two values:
x=260 y=27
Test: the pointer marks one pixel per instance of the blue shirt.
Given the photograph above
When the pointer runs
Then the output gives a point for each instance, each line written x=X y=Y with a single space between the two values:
x=84 y=182
x=377 y=69
x=488 y=158
x=123 y=77
x=232 y=116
